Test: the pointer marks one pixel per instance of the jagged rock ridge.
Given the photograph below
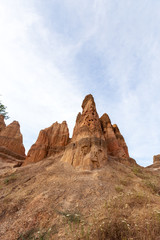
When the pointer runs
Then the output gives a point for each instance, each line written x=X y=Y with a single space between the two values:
x=94 y=140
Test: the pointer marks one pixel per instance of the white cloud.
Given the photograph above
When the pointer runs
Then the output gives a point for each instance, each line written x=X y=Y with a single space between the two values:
x=35 y=87
x=53 y=53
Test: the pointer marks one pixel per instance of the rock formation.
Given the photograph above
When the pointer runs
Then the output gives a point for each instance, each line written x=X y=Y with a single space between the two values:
x=156 y=159
x=11 y=139
x=2 y=123
x=156 y=164
x=116 y=145
x=51 y=141
x=87 y=149
x=12 y=151
x=94 y=140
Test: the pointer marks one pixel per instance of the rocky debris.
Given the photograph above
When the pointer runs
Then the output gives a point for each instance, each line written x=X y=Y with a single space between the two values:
x=2 y=123
x=51 y=141
x=87 y=149
x=11 y=139
x=156 y=159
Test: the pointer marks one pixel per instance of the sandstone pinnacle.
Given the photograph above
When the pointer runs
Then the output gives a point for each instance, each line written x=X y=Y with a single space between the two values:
x=11 y=138
x=51 y=141
x=94 y=140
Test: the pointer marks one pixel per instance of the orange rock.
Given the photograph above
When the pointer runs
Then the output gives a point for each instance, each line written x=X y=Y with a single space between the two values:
x=121 y=140
x=87 y=149
x=116 y=145
x=2 y=123
x=87 y=123
x=94 y=141
x=11 y=138
x=156 y=159
x=51 y=141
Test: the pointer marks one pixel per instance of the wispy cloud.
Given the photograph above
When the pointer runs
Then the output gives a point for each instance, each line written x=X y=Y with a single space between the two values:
x=54 y=52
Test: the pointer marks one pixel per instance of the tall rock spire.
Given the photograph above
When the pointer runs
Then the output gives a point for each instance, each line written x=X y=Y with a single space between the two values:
x=87 y=123
x=87 y=149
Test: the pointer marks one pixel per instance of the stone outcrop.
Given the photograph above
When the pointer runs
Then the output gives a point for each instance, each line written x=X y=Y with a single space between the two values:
x=2 y=123
x=87 y=149
x=156 y=164
x=95 y=141
x=156 y=159
x=11 y=139
x=51 y=141
x=121 y=141
x=116 y=145
x=12 y=151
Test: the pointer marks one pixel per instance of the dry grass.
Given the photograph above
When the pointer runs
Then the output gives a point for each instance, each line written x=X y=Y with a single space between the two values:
x=52 y=201
x=130 y=216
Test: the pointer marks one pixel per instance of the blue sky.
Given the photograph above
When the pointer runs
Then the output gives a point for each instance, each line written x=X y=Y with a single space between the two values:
x=54 y=52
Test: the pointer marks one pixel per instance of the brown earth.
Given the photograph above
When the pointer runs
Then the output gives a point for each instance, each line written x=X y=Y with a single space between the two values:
x=52 y=200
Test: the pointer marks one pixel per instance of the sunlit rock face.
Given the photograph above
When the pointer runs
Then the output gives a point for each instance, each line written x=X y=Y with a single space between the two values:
x=156 y=159
x=11 y=138
x=51 y=141
x=87 y=149
x=116 y=145
x=12 y=151
x=95 y=140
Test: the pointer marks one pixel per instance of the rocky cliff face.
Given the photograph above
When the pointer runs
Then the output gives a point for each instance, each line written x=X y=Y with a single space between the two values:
x=116 y=145
x=94 y=140
x=11 y=138
x=87 y=149
x=51 y=141
x=12 y=151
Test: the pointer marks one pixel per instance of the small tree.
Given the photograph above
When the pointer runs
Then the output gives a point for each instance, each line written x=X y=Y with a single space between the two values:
x=3 y=111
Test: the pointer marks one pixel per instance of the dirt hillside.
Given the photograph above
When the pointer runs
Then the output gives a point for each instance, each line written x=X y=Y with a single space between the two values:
x=52 y=200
